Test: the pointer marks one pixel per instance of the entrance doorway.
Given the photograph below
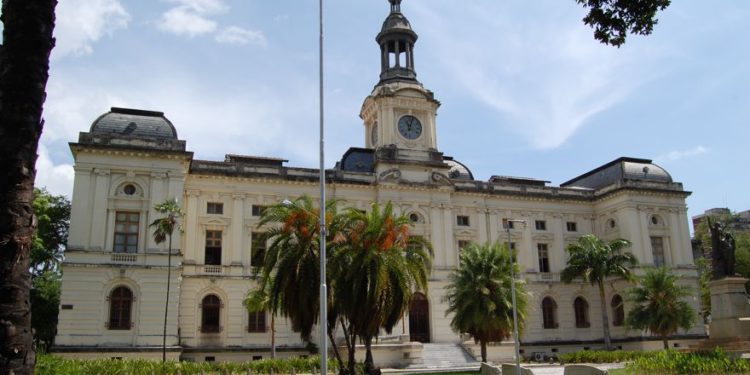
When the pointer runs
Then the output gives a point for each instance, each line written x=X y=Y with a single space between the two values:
x=419 y=318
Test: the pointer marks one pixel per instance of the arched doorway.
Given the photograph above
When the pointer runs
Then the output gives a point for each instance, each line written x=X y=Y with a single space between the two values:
x=419 y=318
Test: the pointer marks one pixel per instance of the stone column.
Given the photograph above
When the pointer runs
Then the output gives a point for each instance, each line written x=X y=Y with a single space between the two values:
x=99 y=213
x=448 y=240
x=238 y=219
x=191 y=227
x=80 y=211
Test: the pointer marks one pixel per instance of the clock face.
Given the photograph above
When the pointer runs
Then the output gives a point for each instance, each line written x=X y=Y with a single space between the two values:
x=374 y=134
x=409 y=127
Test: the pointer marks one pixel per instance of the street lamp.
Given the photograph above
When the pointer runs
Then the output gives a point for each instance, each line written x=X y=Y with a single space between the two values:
x=513 y=295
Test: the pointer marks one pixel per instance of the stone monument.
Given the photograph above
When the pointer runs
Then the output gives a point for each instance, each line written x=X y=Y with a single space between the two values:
x=729 y=300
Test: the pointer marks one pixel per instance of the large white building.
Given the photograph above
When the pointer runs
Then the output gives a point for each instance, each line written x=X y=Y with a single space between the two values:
x=115 y=275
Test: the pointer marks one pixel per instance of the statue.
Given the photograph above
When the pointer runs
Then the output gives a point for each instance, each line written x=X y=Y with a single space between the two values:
x=722 y=251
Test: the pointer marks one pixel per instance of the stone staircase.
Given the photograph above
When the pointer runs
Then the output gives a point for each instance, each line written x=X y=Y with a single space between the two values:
x=445 y=356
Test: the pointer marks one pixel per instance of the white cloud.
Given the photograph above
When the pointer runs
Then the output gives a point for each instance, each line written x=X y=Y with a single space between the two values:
x=58 y=179
x=81 y=23
x=191 y=17
x=238 y=35
x=545 y=76
x=682 y=154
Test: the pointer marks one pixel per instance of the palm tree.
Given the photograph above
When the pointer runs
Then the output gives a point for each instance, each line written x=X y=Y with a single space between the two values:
x=377 y=272
x=479 y=294
x=659 y=305
x=594 y=261
x=24 y=63
x=291 y=266
x=259 y=300
x=163 y=229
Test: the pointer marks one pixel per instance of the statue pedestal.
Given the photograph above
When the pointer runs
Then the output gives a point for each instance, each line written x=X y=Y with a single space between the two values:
x=729 y=303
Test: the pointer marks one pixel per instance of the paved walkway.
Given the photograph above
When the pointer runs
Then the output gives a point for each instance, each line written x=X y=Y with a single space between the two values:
x=559 y=370
x=537 y=369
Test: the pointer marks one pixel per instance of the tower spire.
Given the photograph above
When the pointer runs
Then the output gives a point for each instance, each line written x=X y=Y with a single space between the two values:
x=396 y=40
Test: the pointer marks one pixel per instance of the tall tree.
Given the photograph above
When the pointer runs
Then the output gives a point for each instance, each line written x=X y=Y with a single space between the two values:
x=53 y=222
x=377 y=273
x=594 y=261
x=24 y=66
x=163 y=229
x=45 y=308
x=659 y=305
x=53 y=218
x=479 y=294
x=612 y=20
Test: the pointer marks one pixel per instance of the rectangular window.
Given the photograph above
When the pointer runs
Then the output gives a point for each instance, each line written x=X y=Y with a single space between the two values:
x=258 y=210
x=462 y=220
x=572 y=226
x=462 y=244
x=543 y=257
x=507 y=224
x=213 y=247
x=215 y=208
x=540 y=225
x=126 y=232
x=657 y=249
x=258 y=249
x=256 y=322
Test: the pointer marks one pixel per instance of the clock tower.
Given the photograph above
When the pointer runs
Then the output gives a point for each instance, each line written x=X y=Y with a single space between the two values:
x=399 y=114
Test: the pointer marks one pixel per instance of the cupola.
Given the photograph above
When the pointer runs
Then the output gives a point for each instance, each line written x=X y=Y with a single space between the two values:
x=396 y=40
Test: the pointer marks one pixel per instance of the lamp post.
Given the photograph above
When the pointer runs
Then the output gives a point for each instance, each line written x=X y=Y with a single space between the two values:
x=516 y=342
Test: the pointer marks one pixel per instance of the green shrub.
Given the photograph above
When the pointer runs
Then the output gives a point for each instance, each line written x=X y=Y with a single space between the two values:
x=603 y=356
x=50 y=364
x=673 y=362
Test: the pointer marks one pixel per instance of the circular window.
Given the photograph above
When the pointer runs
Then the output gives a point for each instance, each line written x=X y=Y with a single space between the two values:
x=612 y=223
x=129 y=189
x=414 y=217
x=655 y=220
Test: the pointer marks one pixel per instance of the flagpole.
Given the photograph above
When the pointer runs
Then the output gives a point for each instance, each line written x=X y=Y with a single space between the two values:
x=323 y=289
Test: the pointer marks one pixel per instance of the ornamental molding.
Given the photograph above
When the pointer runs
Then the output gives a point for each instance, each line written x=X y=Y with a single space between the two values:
x=441 y=179
x=393 y=174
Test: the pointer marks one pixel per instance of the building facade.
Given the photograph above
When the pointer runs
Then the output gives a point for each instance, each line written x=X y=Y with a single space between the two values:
x=114 y=274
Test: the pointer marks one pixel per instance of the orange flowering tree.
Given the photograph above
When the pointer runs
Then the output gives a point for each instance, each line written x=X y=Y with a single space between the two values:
x=377 y=269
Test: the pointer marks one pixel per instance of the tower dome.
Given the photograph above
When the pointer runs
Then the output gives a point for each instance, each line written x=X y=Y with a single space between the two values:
x=133 y=128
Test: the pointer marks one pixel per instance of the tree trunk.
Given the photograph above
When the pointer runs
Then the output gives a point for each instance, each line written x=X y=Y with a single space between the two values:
x=351 y=346
x=483 y=345
x=605 y=317
x=273 y=336
x=369 y=362
x=665 y=341
x=24 y=65
x=166 y=304
x=336 y=352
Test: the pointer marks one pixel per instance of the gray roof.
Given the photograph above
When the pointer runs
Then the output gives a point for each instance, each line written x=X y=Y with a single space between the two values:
x=621 y=169
x=134 y=123
x=458 y=170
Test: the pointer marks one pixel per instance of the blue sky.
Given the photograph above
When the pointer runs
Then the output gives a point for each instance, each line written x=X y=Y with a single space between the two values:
x=525 y=89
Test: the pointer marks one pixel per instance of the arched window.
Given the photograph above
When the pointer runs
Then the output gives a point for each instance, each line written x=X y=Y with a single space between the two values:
x=581 y=308
x=210 y=314
x=618 y=311
x=549 y=313
x=120 y=306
